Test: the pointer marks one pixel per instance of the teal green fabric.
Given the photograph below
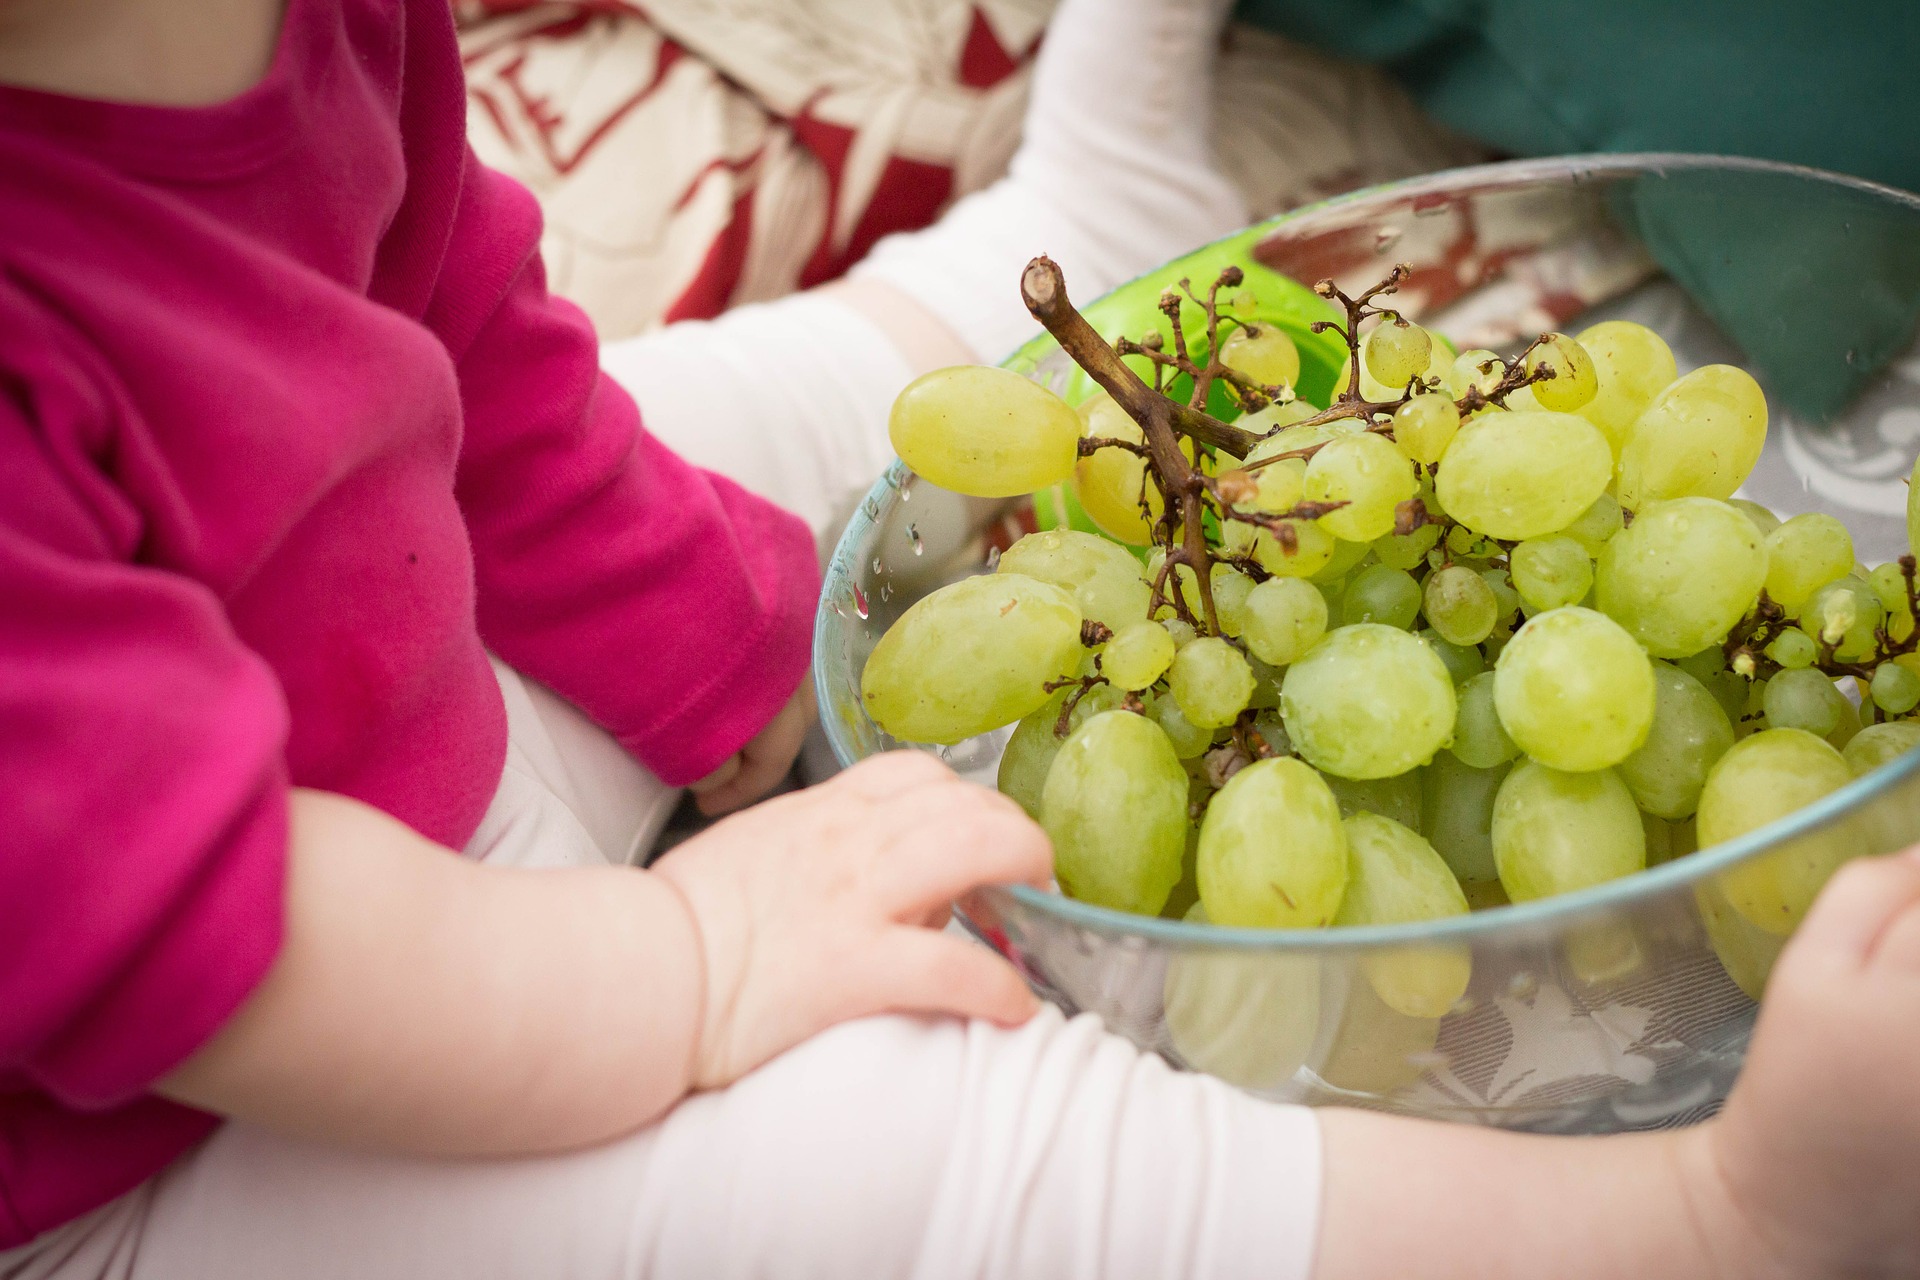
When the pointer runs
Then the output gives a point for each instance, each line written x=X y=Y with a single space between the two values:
x=1820 y=291
x=1830 y=83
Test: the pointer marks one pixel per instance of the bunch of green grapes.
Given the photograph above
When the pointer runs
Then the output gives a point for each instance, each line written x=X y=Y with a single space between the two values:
x=1486 y=630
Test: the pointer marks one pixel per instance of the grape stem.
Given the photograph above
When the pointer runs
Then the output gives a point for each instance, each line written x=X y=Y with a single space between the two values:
x=1082 y=686
x=1187 y=493
x=1747 y=643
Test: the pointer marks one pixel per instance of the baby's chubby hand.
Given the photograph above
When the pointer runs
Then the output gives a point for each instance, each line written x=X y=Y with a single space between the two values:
x=758 y=767
x=827 y=905
x=1816 y=1158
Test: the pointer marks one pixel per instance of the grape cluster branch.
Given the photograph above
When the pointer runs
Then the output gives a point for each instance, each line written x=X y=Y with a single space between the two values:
x=1187 y=492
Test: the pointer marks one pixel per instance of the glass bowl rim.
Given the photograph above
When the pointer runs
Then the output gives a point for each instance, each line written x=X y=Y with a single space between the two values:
x=1517 y=918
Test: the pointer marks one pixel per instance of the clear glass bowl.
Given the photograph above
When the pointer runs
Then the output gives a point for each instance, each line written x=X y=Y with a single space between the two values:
x=1623 y=1006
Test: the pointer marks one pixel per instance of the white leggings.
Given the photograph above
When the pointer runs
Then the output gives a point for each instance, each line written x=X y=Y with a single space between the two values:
x=892 y=1146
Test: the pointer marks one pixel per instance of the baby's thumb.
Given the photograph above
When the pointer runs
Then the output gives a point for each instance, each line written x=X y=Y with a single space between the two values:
x=1859 y=907
x=929 y=972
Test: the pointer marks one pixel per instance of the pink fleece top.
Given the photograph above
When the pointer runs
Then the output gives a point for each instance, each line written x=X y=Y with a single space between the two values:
x=290 y=436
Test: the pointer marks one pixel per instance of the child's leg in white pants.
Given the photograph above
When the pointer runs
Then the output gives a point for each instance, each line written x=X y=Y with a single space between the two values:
x=886 y=1147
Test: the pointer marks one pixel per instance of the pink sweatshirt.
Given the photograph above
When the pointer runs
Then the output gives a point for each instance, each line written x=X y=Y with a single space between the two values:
x=290 y=435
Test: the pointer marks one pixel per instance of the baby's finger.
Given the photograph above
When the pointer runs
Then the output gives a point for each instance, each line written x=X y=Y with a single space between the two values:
x=720 y=777
x=1860 y=907
x=958 y=843
x=755 y=777
x=890 y=774
x=924 y=972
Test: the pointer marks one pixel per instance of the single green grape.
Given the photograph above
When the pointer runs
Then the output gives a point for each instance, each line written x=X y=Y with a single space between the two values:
x=1029 y=754
x=1368 y=701
x=1550 y=572
x=1690 y=733
x=1285 y=618
x=1844 y=615
x=1456 y=815
x=1370 y=476
x=1476 y=368
x=1681 y=575
x=1523 y=475
x=971 y=657
x=1746 y=952
x=1848 y=727
x=1425 y=425
x=1396 y=877
x=1273 y=852
x=1347 y=556
x=1575 y=690
x=1250 y=1018
x=984 y=432
x=1462 y=661
x=1792 y=649
x=1631 y=365
x=1895 y=689
x=1889 y=583
x=1500 y=581
x=1574 y=380
x=1595 y=526
x=1182 y=632
x=1111 y=483
x=1264 y=353
x=1406 y=551
x=1876 y=744
x=1763 y=520
x=1396 y=351
x=1138 y=654
x=1805 y=554
x=1397 y=798
x=1803 y=699
x=1311 y=551
x=1102 y=578
x=1211 y=682
x=1230 y=590
x=1278 y=486
x=1556 y=832
x=1763 y=777
x=1698 y=439
x=1115 y=807
x=1189 y=739
x=1479 y=739
x=1381 y=593
x=1460 y=605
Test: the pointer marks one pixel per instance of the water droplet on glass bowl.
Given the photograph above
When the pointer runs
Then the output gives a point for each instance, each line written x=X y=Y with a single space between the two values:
x=877 y=566
x=913 y=536
x=906 y=494
x=1520 y=986
x=1386 y=237
x=859 y=602
x=993 y=559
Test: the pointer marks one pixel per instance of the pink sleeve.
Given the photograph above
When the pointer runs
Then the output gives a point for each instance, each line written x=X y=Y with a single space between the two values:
x=667 y=603
x=143 y=817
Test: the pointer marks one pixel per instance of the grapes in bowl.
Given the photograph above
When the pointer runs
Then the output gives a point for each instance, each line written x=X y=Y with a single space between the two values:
x=1450 y=633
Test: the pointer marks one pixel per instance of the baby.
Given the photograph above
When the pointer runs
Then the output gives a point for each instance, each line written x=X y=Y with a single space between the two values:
x=309 y=494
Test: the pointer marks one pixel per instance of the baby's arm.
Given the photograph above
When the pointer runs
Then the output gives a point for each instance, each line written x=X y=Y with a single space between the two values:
x=670 y=605
x=1810 y=1171
x=422 y=1002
